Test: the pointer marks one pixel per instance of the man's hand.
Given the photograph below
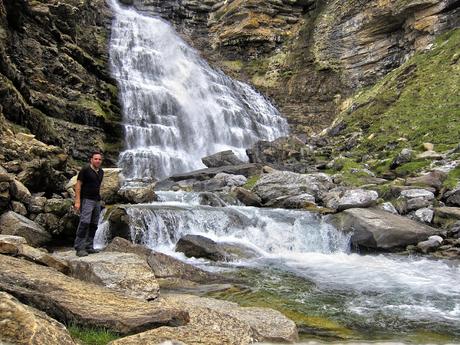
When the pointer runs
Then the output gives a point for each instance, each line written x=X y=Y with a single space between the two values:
x=76 y=206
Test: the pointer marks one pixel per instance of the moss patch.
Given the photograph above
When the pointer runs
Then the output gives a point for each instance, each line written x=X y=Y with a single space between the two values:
x=453 y=178
x=91 y=336
x=251 y=182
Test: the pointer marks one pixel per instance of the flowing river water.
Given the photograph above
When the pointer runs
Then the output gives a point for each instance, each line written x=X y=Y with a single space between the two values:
x=177 y=109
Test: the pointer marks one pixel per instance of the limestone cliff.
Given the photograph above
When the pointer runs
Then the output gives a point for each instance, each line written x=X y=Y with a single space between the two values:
x=308 y=55
x=54 y=76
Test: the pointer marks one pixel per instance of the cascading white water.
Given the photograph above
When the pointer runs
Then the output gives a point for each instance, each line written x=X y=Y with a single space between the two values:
x=176 y=108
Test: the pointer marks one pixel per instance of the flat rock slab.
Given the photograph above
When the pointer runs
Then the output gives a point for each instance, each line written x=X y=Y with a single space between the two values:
x=71 y=300
x=24 y=325
x=12 y=223
x=125 y=272
x=377 y=229
x=217 y=322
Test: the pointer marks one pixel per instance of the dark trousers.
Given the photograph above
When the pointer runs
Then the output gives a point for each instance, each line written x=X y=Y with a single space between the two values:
x=89 y=218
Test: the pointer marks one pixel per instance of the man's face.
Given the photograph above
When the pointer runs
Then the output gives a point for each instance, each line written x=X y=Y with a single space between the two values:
x=96 y=161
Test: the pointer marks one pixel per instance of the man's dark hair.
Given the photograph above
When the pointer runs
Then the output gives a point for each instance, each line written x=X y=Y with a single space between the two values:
x=95 y=153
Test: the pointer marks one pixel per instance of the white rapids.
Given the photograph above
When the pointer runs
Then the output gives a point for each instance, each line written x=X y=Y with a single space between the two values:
x=176 y=108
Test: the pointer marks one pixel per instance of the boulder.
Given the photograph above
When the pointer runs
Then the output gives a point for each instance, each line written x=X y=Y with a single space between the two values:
x=300 y=201
x=388 y=207
x=405 y=156
x=37 y=204
x=220 y=322
x=452 y=197
x=70 y=300
x=19 y=192
x=59 y=207
x=138 y=195
x=376 y=229
x=424 y=215
x=430 y=245
x=202 y=247
x=211 y=199
x=433 y=179
x=340 y=199
x=125 y=272
x=24 y=325
x=162 y=265
x=5 y=176
x=119 y=223
x=285 y=183
x=445 y=217
x=413 y=199
x=50 y=222
x=231 y=180
x=220 y=159
x=247 y=197
x=431 y=155
x=9 y=244
x=19 y=207
x=111 y=185
x=12 y=223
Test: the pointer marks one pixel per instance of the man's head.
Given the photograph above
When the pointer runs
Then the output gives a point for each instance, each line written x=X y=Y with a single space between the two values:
x=96 y=159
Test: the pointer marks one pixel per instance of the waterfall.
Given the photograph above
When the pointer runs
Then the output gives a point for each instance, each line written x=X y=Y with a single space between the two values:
x=176 y=108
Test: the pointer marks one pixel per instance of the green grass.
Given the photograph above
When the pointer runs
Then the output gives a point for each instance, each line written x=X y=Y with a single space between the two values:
x=251 y=182
x=453 y=178
x=416 y=103
x=351 y=171
x=91 y=336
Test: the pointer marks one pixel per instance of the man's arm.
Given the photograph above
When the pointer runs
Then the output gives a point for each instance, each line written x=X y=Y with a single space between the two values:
x=77 y=195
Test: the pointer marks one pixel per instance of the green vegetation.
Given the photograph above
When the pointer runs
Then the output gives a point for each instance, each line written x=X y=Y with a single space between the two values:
x=91 y=336
x=453 y=178
x=353 y=173
x=416 y=103
x=251 y=181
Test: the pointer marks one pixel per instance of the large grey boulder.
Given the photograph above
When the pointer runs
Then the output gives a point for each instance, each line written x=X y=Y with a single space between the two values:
x=125 y=272
x=138 y=195
x=340 y=199
x=24 y=325
x=12 y=223
x=285 y=183
x=377 y=229
x=220 y=159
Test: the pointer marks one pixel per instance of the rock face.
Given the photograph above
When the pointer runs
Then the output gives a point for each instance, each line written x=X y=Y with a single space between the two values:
x=23 y=325
x=126 y=273
x=220 y=322
x=12 y=223
x=50 y=52
x=70 y=300
x=377 y=229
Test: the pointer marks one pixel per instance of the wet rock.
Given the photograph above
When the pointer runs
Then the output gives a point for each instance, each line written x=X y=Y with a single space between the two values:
x=247 y=197
x=221 y=159
x=424 y=215
x=231 y=180
x=246 y=170
x=12 y=223
x=202 y=247
x=19 y=192
x=405 y=156
x=124 y=272
x=211 y=199
x=376 y=229
x=446 y=216
x=430 y=245
x=304 y=200
x=19 y=208
x=220 y=322
x=138 y=195
x=340 y=199
x=119 y=223
x=284 y=183
x=70 y=300
x=24 y=325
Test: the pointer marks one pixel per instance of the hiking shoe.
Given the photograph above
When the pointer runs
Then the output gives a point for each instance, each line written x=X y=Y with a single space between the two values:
x=92 y=251
x=82 y=253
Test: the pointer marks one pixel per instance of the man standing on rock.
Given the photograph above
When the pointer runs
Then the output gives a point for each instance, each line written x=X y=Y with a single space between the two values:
x=88 y=203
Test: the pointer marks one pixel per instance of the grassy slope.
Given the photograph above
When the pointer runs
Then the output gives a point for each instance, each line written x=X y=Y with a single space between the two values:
x=419 y=101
